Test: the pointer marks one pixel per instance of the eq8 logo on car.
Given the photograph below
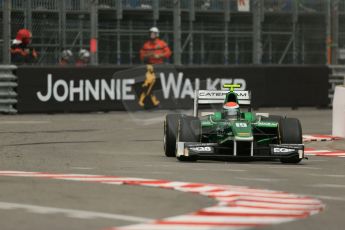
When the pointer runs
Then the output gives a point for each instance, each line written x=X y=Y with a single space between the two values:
x=169 y=85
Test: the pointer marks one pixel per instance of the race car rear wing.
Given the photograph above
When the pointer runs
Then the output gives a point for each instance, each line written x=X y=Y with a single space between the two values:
x=209 y=97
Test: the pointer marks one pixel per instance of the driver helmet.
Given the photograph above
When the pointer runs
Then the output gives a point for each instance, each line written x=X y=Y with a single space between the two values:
x=231 y=110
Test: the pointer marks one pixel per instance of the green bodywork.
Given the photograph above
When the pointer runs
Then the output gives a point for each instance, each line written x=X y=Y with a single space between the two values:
x=247 y=127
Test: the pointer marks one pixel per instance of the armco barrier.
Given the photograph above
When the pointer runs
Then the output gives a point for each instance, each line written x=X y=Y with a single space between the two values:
x=8 y=96
x=167 y=87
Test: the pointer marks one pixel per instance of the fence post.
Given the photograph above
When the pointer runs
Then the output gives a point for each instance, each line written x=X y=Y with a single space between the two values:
x=258 y=17
x=6 y=33
x=94 y=32
x=177 y=32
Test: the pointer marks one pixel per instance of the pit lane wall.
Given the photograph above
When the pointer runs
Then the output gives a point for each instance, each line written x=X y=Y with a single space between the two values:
x=72 y=89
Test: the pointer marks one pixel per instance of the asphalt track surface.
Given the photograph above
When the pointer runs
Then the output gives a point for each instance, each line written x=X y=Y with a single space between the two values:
x=130 y=145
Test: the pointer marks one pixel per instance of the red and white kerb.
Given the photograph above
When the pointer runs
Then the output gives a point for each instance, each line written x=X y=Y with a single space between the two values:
x=237 y=207
x=320 y=137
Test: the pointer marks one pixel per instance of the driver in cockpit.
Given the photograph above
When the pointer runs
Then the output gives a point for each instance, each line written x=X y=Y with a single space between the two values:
x=231 y=111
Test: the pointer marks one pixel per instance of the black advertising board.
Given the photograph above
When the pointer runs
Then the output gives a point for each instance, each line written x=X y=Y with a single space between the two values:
x=54 y=89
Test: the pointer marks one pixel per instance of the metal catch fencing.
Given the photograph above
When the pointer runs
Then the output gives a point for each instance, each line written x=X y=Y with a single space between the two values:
x=8 y=84
x=291 y=32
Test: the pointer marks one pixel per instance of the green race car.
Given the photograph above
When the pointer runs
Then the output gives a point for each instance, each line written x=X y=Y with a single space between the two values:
x=233 y=131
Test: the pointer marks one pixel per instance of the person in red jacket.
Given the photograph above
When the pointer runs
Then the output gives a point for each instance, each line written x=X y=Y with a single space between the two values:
x=155 y=50
x=21 y=52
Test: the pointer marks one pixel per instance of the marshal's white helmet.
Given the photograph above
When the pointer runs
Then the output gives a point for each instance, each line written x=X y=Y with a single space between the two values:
x=66 y=54
x=84 y=54
x=154 y=30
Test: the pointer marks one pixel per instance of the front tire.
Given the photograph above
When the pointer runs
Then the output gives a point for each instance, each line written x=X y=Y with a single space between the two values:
x=189 y=130
x=290 y=130
x=170 y=133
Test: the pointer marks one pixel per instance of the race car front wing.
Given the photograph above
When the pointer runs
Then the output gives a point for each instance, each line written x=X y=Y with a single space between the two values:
x=211 y=150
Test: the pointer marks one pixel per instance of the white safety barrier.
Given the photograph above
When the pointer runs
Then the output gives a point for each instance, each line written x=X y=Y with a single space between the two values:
x=338 y=128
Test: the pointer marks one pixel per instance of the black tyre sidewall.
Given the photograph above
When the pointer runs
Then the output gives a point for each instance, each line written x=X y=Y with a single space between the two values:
x=290 y=130
x=170 y=132
x=189 y=131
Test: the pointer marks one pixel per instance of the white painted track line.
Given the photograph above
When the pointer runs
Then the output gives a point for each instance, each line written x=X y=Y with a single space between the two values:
x=71 y=212
x=23 y=122
x=327 y=186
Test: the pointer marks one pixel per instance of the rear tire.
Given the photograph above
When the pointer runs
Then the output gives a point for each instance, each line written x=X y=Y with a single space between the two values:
x=290 y=130
x=170 y=132
x=189 y=131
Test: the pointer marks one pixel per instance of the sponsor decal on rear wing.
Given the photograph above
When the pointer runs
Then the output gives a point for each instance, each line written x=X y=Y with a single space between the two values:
x=218 y=97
